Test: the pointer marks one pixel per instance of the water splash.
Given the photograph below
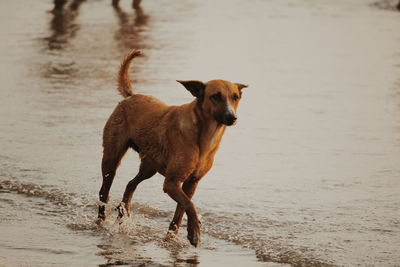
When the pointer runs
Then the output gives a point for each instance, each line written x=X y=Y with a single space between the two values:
x=147 y=227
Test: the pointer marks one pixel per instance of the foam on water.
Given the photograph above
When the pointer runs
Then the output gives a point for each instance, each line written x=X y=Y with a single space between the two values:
x=147 y=227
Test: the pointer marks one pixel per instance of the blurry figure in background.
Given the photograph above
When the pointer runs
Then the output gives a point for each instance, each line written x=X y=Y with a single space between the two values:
x=129 y=34
x=58 y=5
x=135 y=3
x=387 y=4
x=62 y=25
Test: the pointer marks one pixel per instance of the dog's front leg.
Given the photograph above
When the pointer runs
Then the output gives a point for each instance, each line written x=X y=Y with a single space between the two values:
x=189 y=188
x=172 y=187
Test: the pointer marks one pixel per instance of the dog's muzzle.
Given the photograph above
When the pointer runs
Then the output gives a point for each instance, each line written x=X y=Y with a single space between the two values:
x=227 y=119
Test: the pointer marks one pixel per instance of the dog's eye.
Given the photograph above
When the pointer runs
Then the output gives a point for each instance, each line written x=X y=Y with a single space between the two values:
x=235 y=97
x=216 y=97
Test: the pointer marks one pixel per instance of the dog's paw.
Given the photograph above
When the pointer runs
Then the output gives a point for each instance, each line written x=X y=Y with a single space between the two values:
x=99 y=221
x=122 y=212
x=170 y=235
x=102 y=212
x=173 y=228
x=194 y=238
x=194 y=233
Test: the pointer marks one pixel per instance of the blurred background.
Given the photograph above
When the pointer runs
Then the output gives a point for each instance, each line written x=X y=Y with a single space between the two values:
x=308 y=177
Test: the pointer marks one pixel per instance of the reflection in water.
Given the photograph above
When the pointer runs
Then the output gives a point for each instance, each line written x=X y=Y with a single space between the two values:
x=62 y=70
x=135 y=3
x=386 y=4
x=58 y=5
x=62 y=25
x=122 y=250
x=130 y=33
x=60 y=73
x=193 y=260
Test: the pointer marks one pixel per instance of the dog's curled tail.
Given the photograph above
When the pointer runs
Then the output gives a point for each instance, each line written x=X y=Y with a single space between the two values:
x=124 y=82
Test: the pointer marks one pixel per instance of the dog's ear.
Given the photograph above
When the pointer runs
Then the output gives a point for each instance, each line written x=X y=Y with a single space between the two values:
x=240 y=86
x=194 y=87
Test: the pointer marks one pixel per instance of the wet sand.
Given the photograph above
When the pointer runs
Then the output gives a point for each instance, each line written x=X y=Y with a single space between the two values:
x=308 y=177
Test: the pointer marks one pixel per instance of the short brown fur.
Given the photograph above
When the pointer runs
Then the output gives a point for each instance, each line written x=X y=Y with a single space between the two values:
x=179 y=142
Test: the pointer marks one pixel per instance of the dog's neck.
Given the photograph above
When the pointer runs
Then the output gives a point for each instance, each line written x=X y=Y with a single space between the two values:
x=210 y=131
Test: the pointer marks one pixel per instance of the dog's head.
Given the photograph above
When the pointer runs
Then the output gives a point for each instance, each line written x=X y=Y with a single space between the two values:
x=217 y=98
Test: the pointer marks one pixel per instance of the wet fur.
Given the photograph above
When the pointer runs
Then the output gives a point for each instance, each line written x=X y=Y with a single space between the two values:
x=178 y=142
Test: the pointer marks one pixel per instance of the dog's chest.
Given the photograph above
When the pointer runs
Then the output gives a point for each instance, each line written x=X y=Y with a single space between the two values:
x=210 y=140
x=208 y=147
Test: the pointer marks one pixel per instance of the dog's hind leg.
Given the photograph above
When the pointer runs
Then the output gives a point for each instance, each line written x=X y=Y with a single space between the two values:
x=189 y=187
x=146 y=171
x=111 y=159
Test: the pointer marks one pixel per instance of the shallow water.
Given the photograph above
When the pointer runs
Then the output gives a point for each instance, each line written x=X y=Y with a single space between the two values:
x=308 y=177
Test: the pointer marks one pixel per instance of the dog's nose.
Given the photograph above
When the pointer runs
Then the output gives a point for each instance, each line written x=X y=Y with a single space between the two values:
x=230 y=119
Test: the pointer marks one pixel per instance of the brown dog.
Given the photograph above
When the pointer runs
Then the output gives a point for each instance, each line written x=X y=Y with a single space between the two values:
x=179 y=142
